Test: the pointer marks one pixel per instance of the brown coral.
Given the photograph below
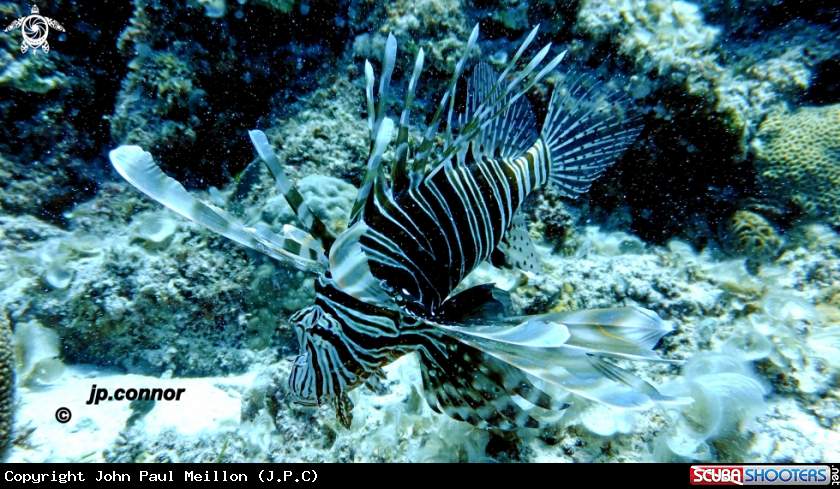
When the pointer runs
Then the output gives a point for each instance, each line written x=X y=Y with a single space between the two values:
x=7 y=384
x=798 y=158
x=752 y=235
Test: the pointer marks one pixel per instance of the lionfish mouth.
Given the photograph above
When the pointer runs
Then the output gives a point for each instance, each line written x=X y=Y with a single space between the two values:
x=297 y=383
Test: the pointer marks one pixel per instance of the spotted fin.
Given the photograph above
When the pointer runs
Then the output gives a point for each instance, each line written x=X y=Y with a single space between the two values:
x=470 y=385
x=517 y=249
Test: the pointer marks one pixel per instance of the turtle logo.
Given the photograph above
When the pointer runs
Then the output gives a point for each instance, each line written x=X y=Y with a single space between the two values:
x=35 y=29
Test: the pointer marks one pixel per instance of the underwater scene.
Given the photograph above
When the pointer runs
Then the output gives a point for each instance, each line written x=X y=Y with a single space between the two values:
x=420 y=231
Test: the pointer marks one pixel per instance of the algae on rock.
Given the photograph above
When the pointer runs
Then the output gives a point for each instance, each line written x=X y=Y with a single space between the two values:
x=147 y=293
x=325 y=136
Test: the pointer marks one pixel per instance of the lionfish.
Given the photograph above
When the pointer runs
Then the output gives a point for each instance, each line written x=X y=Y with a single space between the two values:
x=386 y=285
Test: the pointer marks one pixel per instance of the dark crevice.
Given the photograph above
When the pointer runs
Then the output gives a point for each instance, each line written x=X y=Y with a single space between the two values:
x=680 y=178
x=52 y=141
x=825 y=84
x=239 y=64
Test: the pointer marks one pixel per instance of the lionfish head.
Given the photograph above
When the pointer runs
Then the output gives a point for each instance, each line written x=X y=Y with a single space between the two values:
x=324 y=370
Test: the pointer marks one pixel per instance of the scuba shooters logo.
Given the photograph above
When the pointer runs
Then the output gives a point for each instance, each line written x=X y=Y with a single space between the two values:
x=35 y=29
x=732 y=475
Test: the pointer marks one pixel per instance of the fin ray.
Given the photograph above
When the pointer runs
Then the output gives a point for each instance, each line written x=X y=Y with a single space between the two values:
x=310 y=221
x=518 y=248
x=585 y=132
x=139 y=169
x=554 y=348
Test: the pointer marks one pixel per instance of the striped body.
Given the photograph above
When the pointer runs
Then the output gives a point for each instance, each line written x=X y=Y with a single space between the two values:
x=425 y=241
x=394 y=270
x=420 y=246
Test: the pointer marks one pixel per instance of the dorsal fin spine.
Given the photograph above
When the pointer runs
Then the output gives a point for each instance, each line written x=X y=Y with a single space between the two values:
x=385 y=81
x=483 y=116
x=384 y=133
x=399 y=170
x=508 y=68
x=310 y=221
x=382 y=129
x=369 y=81
x=420 y=159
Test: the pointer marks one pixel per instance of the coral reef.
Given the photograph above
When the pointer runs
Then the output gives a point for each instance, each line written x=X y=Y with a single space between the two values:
x=751 y=235
x=148 y=295
x=667 y=37
x=160 y=106
x=740 y=322
x=798 y=158
x=759 y=349
x=330 y=198
x=671 y=44
x=552 y=219
x=36 y=351
x=7 y=385
x=708 y=78
x=142 y=290
x=93 y=273
x=727 y=400
x=783 y=318
x=195 y=88
x=606 y=270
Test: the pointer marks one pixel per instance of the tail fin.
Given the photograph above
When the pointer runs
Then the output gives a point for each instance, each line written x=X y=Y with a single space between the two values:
x=586 y=130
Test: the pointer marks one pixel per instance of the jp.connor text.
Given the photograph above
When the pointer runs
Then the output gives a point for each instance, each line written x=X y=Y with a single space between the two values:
x=97 y=395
